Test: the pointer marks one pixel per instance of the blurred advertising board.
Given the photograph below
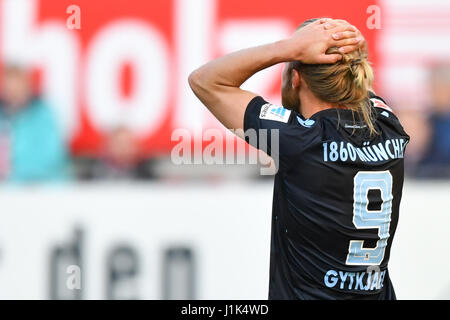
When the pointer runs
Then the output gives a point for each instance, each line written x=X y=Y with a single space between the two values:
x=108 y=64
x=156 y=242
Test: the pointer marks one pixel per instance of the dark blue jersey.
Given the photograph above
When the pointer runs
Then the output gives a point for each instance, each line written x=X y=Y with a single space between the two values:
x=336 y=199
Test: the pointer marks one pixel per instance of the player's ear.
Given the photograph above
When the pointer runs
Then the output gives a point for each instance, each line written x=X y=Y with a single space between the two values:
x=295 y=79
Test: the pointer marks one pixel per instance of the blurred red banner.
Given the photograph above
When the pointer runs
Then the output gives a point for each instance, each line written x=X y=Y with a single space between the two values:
x=127 y=65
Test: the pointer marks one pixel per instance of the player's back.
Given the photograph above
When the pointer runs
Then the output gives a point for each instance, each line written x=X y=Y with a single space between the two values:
x=336 y=203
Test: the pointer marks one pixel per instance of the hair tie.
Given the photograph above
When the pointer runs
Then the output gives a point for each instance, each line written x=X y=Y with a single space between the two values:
x=355 y=62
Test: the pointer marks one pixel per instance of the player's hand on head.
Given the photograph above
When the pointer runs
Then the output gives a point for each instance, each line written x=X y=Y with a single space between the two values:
x=310 y=43
x=343 y=37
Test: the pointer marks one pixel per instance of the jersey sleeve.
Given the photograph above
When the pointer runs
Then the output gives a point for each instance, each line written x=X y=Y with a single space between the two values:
x=264 y=123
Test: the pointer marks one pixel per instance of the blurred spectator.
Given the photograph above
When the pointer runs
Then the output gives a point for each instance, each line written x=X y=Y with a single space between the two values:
x=418 y=127
x=435 y=162
x=31 y=146
x=121 y=159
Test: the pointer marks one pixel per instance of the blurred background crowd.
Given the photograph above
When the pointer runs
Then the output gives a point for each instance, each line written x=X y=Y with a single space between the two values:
x=33 y=149
x=428 y=154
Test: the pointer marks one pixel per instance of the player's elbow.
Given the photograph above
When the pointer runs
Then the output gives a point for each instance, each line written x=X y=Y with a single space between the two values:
x=196 y=82
x=204 y=86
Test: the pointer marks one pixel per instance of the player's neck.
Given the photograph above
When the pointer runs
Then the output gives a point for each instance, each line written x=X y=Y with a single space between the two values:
x=311 y=105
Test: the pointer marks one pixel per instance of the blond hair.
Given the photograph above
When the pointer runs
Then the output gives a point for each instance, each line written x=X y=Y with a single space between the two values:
x=345 y=83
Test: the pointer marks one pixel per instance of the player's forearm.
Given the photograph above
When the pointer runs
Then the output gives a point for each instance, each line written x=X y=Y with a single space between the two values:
x=217 y=83
x=234 y=69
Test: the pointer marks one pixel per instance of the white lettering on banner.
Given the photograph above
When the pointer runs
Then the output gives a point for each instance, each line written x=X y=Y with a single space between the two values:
x=194 y=22
x=56 y=50
x=238 y=34
x=141 y=216
x=146 y=49
x=50 y=46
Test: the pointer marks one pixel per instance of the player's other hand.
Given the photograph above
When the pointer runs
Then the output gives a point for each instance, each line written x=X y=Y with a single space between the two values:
x=310 y=43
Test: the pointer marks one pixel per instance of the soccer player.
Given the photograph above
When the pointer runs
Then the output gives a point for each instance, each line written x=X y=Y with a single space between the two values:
x=340 y=148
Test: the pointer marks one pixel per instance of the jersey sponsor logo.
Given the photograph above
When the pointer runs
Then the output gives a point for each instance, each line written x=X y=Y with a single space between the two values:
x=361 y=281
x=377 y=103
x=275 y=113
x=346 y=151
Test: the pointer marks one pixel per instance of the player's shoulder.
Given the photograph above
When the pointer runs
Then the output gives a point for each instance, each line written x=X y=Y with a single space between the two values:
x=385 y=115
x=272 y=112
x=378 y=102
x=266 y=111
x=382 y=107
